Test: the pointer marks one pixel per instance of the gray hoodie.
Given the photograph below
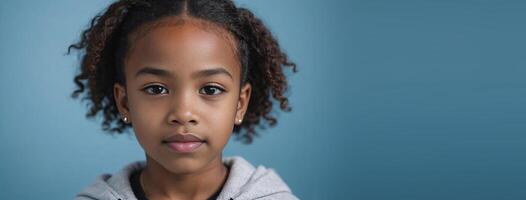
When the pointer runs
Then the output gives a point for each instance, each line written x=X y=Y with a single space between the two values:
x=244 y=182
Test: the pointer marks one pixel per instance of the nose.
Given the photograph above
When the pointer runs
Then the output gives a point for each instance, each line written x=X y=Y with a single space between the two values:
x=182 y=109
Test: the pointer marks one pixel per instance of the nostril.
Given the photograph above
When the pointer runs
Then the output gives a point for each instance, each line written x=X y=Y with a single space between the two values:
x=181 y=122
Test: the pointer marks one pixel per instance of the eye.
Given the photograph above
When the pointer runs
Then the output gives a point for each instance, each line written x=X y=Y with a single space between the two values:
x=211 y=90
x=155 y=89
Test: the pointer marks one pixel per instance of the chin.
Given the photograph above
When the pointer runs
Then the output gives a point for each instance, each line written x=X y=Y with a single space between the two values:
x=184 y=164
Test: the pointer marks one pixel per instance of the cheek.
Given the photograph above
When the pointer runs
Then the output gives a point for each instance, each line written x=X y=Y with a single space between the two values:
x=220 y=122
x=222 y=119
x=147 y=121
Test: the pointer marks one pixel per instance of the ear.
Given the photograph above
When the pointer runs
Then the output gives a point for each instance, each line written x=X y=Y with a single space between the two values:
x=242 y=103
x=121 y=98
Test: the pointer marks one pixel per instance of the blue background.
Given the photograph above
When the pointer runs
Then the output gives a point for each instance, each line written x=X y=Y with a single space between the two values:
x=393 y=100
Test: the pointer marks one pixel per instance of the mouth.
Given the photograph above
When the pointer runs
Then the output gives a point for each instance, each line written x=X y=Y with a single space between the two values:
x=184 y=147
x=184 y=143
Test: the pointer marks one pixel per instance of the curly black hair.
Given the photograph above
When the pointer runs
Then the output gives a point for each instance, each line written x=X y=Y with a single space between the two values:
x=105 y=43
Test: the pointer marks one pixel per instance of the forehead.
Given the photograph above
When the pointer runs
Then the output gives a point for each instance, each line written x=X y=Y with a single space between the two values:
x=187 y=42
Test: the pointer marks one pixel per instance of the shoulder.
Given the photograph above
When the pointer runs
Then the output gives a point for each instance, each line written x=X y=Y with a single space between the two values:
x=111 y=186
x=247 y=181
x=279 y=196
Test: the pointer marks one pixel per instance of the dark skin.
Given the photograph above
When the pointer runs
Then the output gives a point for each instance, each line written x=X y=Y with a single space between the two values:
x=194 y=88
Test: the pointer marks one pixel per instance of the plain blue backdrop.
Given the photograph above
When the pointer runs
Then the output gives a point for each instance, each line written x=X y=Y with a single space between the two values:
x=407 y=99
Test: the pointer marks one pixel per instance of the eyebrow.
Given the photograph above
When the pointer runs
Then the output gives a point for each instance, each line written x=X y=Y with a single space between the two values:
x=164 y=73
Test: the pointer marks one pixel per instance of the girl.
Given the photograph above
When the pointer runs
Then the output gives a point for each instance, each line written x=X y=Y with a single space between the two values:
x=184 y=74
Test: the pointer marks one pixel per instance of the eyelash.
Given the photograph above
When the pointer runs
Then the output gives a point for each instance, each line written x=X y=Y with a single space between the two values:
x=147 y=89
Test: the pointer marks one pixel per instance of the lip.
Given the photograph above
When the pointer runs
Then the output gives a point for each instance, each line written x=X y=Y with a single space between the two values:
x=188 y=137
x=184 y=143
x=184 y=147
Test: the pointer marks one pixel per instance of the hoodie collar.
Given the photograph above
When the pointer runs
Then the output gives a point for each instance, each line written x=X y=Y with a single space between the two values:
x=249 y=182
x=244 y=182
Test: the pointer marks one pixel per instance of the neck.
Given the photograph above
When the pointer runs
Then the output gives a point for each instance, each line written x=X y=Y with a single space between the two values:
x=159 y=183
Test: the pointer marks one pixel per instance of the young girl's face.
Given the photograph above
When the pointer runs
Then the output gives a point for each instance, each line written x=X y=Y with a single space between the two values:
x=182 y=78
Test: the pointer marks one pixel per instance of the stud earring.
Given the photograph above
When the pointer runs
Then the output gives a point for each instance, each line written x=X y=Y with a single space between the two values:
x=125 y=119
x=239 y=120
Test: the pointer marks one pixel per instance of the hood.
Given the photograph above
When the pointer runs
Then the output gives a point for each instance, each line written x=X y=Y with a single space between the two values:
x=244 y=182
